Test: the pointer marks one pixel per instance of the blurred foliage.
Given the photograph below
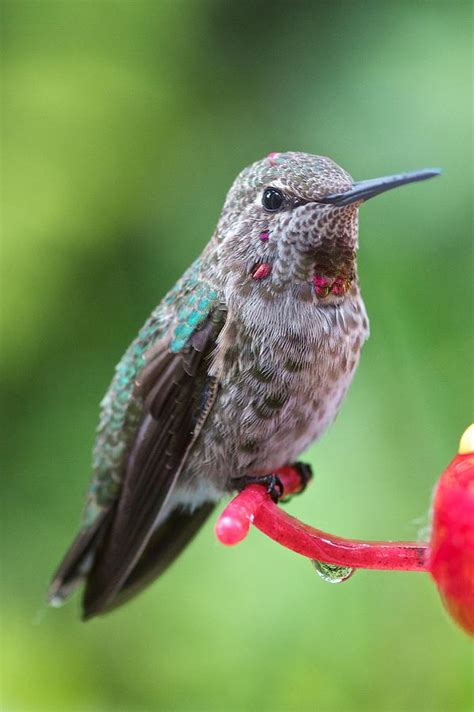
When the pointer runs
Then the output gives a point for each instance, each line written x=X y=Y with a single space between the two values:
x=124 y=124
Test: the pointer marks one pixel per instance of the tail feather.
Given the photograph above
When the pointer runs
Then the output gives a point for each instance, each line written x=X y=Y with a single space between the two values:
x=167 y=542
x=77 y=562
x=86 y=554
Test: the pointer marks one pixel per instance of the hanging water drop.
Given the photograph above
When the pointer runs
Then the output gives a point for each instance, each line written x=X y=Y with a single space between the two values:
x=332 y=573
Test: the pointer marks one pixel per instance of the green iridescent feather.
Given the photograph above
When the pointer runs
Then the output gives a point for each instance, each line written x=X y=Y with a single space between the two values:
x=184 y=308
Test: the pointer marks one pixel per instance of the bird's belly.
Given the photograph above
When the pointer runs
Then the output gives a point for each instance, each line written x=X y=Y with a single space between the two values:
x=265 y=439
x=273 y=401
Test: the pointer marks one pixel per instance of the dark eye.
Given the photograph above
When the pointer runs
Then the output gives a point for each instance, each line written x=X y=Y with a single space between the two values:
x=272 y=199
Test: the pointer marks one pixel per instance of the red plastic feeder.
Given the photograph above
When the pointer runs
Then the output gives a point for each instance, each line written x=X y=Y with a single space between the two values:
x=448 y=557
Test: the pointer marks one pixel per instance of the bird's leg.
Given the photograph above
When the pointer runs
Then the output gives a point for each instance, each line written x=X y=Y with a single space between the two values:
x=273 y=483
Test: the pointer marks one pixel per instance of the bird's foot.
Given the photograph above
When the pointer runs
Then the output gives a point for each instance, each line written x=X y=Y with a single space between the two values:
x=273 y=484
x=305 y=474
x=295 y=478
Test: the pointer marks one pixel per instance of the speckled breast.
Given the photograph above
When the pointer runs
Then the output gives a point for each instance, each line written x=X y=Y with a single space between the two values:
x=279 y=391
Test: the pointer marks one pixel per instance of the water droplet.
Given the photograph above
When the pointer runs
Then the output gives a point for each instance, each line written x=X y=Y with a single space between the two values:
x=332 y=573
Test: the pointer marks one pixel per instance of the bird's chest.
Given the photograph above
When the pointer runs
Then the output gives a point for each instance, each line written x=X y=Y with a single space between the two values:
x=281 y=387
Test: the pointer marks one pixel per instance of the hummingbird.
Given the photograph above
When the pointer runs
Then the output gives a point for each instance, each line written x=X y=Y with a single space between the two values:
x=242 y=365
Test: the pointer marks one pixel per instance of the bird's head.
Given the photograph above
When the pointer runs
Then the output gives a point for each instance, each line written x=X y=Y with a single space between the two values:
x=291 y=221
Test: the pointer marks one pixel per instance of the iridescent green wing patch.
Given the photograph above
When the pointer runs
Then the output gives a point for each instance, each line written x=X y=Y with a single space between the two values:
x=193 y=309
x=120 y=416
x=122 y=408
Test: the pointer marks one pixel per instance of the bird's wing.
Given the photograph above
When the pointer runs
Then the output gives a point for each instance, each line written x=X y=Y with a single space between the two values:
x=177 y=392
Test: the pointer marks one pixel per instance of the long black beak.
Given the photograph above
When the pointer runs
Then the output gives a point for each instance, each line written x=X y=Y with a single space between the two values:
x=365 y=189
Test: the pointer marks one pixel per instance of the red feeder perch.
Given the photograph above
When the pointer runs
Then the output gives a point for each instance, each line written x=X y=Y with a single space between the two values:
x=448 y=557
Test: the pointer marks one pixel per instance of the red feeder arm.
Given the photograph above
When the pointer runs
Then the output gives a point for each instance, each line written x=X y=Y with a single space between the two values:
x=448 y=557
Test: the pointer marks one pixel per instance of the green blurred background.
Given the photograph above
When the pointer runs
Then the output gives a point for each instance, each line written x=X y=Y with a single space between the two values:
x=124 y=125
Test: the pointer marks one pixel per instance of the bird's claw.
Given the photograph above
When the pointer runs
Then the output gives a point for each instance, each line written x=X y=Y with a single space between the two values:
x=274 y=487
x=273 y=484
x=305 y=472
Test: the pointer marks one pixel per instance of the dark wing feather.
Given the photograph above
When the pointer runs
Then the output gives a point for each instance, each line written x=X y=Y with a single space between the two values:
x=178 y=394
x=75 y=564
x=164 y=546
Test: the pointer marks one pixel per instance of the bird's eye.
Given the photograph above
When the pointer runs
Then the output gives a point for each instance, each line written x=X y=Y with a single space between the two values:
x=272 y=199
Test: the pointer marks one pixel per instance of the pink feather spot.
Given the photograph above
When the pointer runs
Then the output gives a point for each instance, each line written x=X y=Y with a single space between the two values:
x=262 y=271
x=338 y=286
x=272 y=157
x=264 y=236
x=320 y=281
x=321 y=285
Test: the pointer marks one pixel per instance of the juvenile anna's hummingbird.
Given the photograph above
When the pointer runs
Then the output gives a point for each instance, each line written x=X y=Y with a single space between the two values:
x=242 y=365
